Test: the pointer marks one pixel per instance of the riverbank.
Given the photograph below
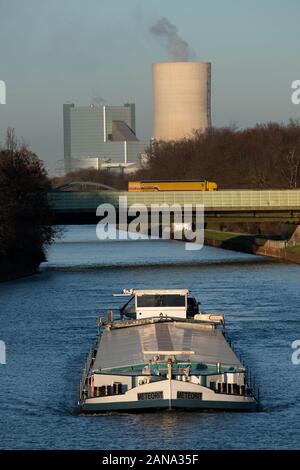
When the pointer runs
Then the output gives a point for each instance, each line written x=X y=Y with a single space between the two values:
x=18 y=272
x=249 y=243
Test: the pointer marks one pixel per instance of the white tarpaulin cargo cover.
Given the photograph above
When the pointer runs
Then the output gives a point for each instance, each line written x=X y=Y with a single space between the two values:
x=129 y=346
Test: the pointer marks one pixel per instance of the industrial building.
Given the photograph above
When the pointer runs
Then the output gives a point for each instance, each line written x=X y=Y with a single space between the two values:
x=181 y=98
x=101 y=137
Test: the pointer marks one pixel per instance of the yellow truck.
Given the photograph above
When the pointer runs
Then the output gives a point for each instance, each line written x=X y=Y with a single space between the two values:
x=163 y=185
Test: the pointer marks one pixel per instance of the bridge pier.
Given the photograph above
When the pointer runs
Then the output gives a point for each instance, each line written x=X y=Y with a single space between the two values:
x=295 y=237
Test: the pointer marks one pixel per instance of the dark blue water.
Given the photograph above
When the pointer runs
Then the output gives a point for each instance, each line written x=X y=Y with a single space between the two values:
x=49 y=322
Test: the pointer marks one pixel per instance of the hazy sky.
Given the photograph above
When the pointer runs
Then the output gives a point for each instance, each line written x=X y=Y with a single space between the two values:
x=71 y=50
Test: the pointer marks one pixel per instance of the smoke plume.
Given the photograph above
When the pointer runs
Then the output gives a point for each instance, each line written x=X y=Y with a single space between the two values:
x=177 y=47
x=97 y=100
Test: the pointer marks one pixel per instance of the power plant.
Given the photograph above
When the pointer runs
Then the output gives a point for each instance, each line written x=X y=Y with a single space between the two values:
x=104 y=136
x=101 y=137
x=182 y=99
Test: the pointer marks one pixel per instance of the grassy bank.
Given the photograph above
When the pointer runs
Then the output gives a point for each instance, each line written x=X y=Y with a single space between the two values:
x=222 y=236
x=229 y=240
x=294 y=249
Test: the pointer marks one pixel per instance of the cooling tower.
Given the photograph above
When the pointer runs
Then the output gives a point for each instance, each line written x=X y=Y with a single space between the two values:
x=181 y=93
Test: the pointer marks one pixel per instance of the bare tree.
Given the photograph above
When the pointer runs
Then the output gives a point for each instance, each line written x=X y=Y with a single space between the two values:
x=25 y=215
x=290 y=167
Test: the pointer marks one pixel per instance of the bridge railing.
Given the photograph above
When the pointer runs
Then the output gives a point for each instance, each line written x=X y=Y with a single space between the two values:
x=214 y=200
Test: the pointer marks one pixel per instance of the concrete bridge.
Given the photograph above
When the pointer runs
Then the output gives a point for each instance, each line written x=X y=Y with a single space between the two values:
x=220 y=206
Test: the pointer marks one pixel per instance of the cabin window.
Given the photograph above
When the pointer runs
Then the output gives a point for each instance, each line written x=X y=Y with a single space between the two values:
x=161 y=300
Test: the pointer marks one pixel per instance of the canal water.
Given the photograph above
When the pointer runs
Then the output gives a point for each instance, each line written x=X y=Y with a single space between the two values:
x=49 y=321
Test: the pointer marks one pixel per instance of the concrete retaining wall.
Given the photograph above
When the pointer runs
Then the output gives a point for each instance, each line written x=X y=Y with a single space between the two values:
x=271 y=248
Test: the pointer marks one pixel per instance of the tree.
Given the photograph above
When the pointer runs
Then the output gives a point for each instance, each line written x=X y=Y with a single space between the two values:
x=264 y=157
x=291 y=167
x=25 y=215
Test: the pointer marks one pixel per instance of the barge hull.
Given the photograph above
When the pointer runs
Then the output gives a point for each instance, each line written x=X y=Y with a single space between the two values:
x=197 y=405
x=196 y=397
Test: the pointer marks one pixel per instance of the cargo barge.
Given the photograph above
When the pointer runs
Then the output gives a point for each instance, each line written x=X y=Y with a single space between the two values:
x=164 y=353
